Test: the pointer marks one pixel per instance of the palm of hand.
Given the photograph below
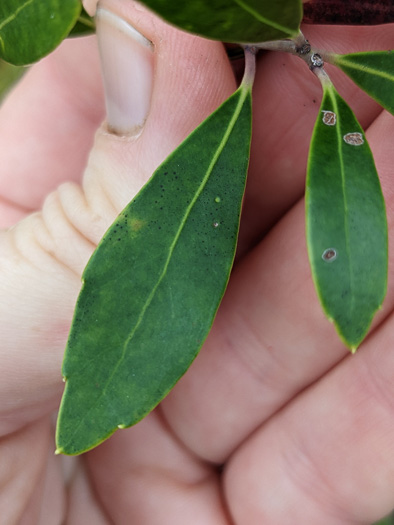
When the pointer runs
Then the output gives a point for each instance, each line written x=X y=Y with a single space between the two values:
x=297 y=426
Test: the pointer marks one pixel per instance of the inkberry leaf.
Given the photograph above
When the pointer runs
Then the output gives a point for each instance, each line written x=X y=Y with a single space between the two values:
x=31 y=29
x=346 y=221
x=373 y=72
x=234 y=21
x=152 y=287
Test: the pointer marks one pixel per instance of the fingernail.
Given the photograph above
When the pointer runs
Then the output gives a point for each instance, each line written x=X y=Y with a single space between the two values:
x=127 y=68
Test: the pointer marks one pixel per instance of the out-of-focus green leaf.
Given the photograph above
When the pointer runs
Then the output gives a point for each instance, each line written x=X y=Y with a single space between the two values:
x=346 y=221
x=152 y=288
x=373 y=72
x=85 y=25
x=30 y=29
x=9 y=75
x=388 y=520
x=235 y=21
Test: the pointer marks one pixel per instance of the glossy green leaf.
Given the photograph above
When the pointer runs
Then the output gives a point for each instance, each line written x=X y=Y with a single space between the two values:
x=346 y=221
x=152 y=288
x=234 y=21
x=30 y=29
x=373 y=72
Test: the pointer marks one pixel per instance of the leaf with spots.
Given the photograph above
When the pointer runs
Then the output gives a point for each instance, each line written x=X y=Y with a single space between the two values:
x=152 y=287
x=31 y=29
x=346 y=221
x=235 y=21
x=373 y=72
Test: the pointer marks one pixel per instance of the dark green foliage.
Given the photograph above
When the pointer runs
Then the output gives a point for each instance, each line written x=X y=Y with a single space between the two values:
x=152 y=288
x=373 y=72
x=244 y=21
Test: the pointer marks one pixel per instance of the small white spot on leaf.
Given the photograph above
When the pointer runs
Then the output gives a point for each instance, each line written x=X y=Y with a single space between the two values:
x=215 y=224
x=354 y=139
x=329 y=118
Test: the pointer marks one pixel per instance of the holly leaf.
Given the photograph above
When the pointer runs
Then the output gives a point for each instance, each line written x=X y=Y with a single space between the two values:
x=373 y=72
x=31 y=29
x=346 y=221
x=236 y=21
x=152 y=287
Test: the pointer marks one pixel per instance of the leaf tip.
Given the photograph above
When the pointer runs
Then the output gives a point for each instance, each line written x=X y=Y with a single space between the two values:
x=58 y=451
x=353 y=349
x=122 y=426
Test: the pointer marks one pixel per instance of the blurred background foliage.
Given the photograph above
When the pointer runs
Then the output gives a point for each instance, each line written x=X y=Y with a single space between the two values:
x=389 y=520
x=9 y=75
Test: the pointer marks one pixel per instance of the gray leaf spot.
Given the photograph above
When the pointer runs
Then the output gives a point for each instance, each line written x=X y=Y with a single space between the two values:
x=354 y=139
x=215 y=224
x=329 y=118
x=329 y=255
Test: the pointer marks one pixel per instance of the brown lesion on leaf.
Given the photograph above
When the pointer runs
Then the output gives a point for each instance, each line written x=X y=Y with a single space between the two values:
x=329 y=255
x=354 y=138
x=329 y=118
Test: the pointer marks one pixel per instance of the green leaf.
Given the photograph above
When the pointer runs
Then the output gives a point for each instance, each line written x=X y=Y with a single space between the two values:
x=346 y=221
x=30 y=29
x=388 y=520
x=373 y=72
x=9 y=75
x=85 y=25
x=235 y=21
x=152 y=287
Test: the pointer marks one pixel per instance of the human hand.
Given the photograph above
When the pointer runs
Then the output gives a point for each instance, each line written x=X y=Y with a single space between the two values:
x=274 y=420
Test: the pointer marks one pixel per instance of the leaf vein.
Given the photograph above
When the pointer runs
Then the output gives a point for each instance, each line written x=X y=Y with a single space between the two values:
x=346 y=207
x=13 y=15
x=263 y=19
x=367 y=69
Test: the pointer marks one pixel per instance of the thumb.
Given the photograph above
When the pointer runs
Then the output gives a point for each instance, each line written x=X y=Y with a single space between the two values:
x=160 y=83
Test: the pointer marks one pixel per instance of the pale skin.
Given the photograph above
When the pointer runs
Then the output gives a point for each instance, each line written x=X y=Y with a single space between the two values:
x=275 y=420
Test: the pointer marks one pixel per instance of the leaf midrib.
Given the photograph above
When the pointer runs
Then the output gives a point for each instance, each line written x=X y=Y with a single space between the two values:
x=365 y=69
x=263 y=19
x=13 y=15
x=243 y=93
x=346 y=222
x=219 y=150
